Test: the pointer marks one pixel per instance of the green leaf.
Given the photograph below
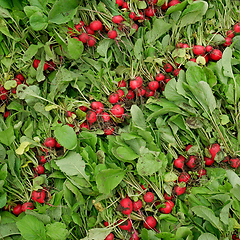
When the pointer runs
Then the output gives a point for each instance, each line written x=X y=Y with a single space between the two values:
x=183 y=232
x=31 y=51
x=211 y=78
x=170 y=177
x=224 y=214
x=63 y=11
x=160 y=27
x=177 y=7
x=103 y=46
x=141 y=5
x=8 y=229
x=38 y=21
x=57 y=231
x=4 y=29
x=3 y=199
x=10 y=84
x=236 y=191
x=66 y=136
x=126 y=153
x=207 y=236
x=138 y=50
x=39 y=3
x=31 y=228
x=207 y=214
x=2 y=152
x=97 y=233
x=6 y=4
x=7 y=136
x=195 y=74
x=75 y=48
x=108 y=179
x=40 y=216
x=233 y=178
x=137 y=117
x=72 y=164
x=226 y=62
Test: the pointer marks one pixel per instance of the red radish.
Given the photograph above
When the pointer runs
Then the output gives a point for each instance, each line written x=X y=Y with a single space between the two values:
x=226 y=159
x=199 y=50
x=39 y=169
x=215 y=148
x=193 y=60
x=191 y=163
x=51 y=65
x=17 y=209
x=38 y=196
x=132 y=15
x=140 y=80
x=83 y=108
x=209 y=48
x=127 y=206
x=168 y=67
x=149 y=12
x=130 y=95
x=110 y=236
x=97 y=106
x=106 y=117
x=176 y=72
x=50 y=142
x=167 y=197
x=36 y=63
x=109 y=131
x=7 y=114
x=188 y=147
x=122 y=83
x=119 y=2
x=149 y=93
x=179 y=190
x=78 y=27
x=89 y=30
x=84 y=125
x=230 y=34
x=228 y=42
x=27 y=205
x=68 y=114
x=92 y=41
x=134 y=84
x=6 y=208
x=208 y=161
x=234 y=162
x=91 y=117
x=120 y=93
x=179 y=45
x=167 y=208
x=167 y=79
x=126 y=225
x=164 y=7
x=152 y=2
x=173 y=3
x=70 y=125
x=96 y=25
x=201 y=172
x=184 y=177
x=141 y=91
x=117 y=111
x=150 y=222
x=216 y=55
x=185 y=45
x=117 y=19
x=236 y=28
x=113 y=98
x=160 y=77
x=178 y=163
x=135 y=235
x=20 y=77
x=153 y=85
x=43 y=160
x=234 y=237
x=112 y=34
x=206 y=58
x=137 y=205
x=106 y=224
x=148 y=197
x=45 y=66
x=125 y=5
x=142 y=186
x=84 y=37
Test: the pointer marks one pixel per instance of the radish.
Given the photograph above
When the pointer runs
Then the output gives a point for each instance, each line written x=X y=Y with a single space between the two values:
x=236 y=28
x=179 y=45
x=150 y=222
x=113 y=98
x=20 y=77
x=97 y=106
x=230 y=34
x=7 y=114
x=43 y=160
x=139 y=80
x=228 y=42
x=117 y=19
x=89 y=30
x=167 y=79
x=120 y=93
x=117 y=111
x=106 y=224
x=184 y=177
x=168 y=67
x=106 y=117
x=209 y=48
x=125 y=5
x=226 y=159
x=143 y=188
x=149 y=12
x=234 y=162
x=135 y=26
x=185 y=45
x=167 y=197
x=84 y=37
x=141 y=92
x=51 y=65
x=173 y=3
x=92 y=41
x=122 y=83
x=119 y=2
x=179 y=163
x=109 y=131
x=137 y=205
x=96 y=25
x=132 y=15
x=127 y=206
x=148 y=197
x=179 y=190
x=84 y=125
x=58 y=145
x=130 y=95
x=83 y=108
x=78 y=27
x=188 y=147
x=39 y=169
x=215 y=148
x=149 y=93
x=160 y=77
x=50 y=142
x=152 y=2
x=27 y=205
x=70 y=125
x=208 y=161
x=134 y=235
x=201 y=172
x=17 y=209
x=112 y=34
x=191 y=163
x=134 y=84
x=36 y=63
x=168 y=206
x=153 y=85
x=199 y=50
x=216 y=55
x=38 y=196
x=164 y=7
x=176 y=71
x=126 y=225
x=91 y=117
x=110 y=236
x=193 y=60
x=68 y=114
